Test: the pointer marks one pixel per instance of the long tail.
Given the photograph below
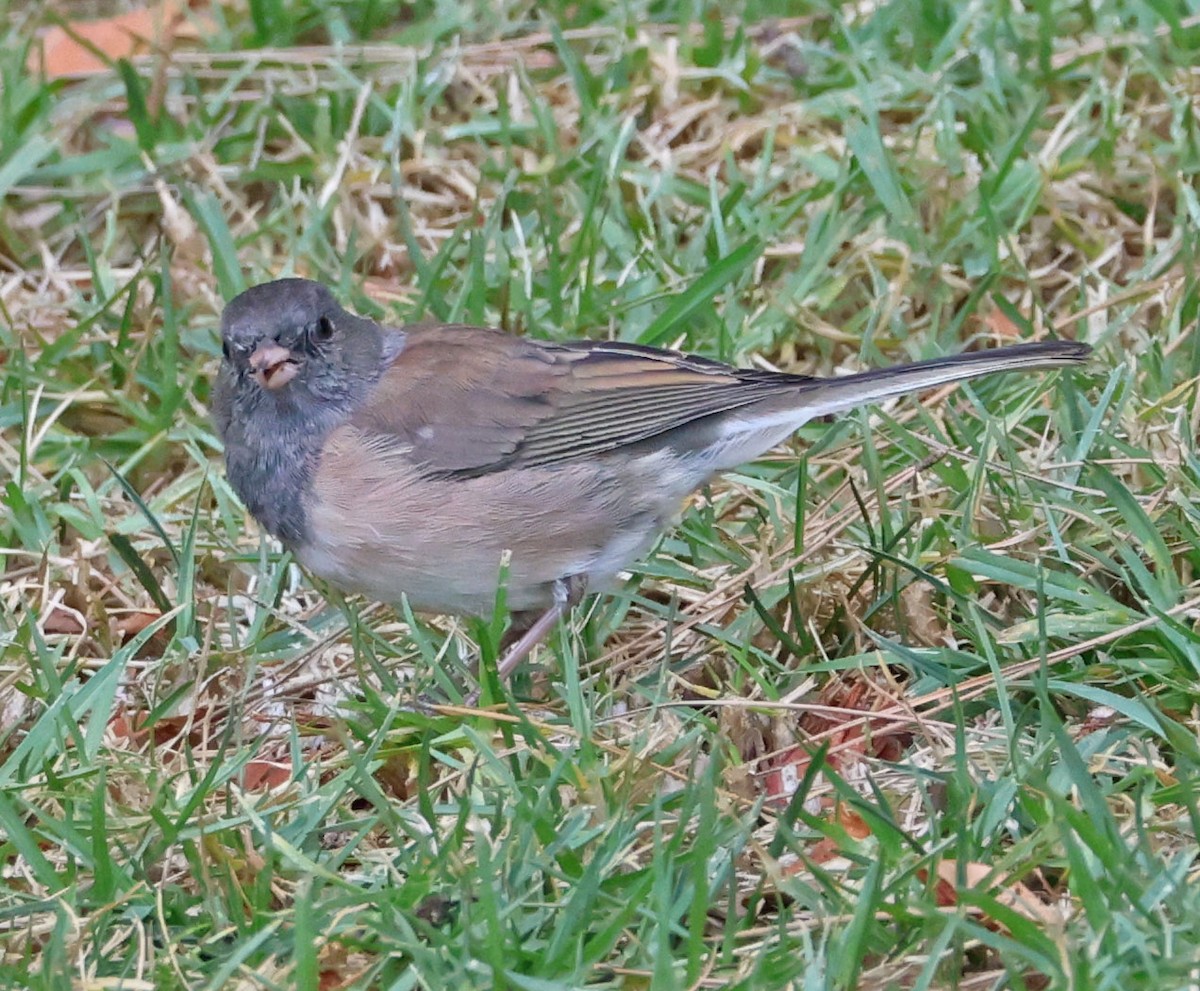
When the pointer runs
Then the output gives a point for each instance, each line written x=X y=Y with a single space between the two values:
x=833 y=395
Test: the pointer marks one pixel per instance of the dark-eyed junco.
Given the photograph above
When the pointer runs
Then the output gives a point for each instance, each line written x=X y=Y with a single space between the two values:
x=409 y=460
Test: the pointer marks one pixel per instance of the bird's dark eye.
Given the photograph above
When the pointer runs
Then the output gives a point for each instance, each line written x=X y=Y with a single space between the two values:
x=324 y=330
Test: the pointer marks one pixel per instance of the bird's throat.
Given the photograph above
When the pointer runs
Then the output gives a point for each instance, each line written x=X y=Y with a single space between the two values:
x=272 y=474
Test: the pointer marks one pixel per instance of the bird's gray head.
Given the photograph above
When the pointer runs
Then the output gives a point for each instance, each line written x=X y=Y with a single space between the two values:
x=296 y=365
x=290 y=344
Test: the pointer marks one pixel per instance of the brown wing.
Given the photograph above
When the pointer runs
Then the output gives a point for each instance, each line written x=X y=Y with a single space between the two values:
x=467 y=400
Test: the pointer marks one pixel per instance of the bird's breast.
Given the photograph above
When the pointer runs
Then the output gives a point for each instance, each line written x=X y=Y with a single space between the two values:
x=379 y=526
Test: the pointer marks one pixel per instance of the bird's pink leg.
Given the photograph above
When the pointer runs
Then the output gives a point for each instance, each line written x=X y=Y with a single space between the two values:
x=567 y=593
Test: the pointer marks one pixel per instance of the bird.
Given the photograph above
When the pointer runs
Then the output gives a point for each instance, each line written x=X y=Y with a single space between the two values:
x=420 y=460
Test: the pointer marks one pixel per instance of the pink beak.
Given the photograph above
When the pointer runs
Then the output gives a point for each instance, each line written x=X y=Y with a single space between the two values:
x=273 y=366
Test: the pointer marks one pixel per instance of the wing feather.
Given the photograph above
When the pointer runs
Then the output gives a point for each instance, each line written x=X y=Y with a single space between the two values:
x=466 y=401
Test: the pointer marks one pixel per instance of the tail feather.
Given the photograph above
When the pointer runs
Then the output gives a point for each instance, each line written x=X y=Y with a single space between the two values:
x=834 y=395
x=742 y=435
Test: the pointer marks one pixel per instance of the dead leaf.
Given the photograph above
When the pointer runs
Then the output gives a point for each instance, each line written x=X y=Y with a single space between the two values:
x=340 y=967
x=924 y=624
x=132 y=726
x=1011 y=894
x=999 y=323
x=331 y=980
x=877 y=738
x=398 y=776
x=263 y=775
x=60 y=620
x=82 y=48
x=822 y=852
x=744 y=730
x=787 y=771
x=852 y=822
x=131 y=624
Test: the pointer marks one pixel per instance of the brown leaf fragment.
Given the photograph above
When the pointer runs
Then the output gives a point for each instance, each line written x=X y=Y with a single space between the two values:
x=1000 y=325
x=263 y=775
x=924 y=624
x=81 y=48
x=131 y=624
x=1011 y=894
x=63 y=621
x=852 y=822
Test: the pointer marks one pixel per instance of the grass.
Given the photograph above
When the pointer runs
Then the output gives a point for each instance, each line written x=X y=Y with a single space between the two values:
x=909 y=703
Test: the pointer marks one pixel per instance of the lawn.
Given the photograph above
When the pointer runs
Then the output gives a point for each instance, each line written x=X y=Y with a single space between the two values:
x=911 y=702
